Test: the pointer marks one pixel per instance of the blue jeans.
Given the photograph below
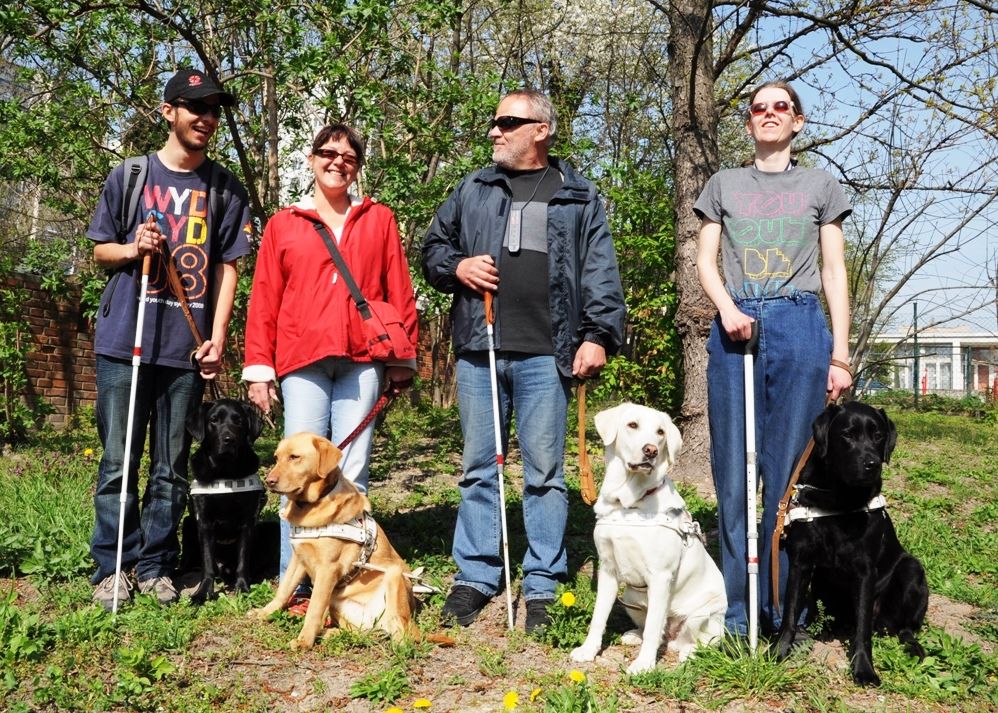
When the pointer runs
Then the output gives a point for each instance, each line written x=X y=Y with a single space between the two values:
x=330 y=398
x=163 y=399
x=532 y=387
x=791 y=375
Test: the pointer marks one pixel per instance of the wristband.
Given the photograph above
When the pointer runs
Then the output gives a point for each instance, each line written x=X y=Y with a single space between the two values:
x=842 y=365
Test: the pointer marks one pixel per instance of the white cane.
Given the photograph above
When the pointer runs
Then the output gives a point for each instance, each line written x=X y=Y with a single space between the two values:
x=136 y=361
x=489 y=319
x=752 y=527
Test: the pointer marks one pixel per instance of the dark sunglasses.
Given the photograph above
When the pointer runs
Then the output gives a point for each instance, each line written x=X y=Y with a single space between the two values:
x=198 y=107
x=348 y=158
x=505 y=123
x=780 y=107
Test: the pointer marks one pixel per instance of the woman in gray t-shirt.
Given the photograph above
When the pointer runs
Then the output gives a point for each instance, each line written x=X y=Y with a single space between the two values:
x=769 y=221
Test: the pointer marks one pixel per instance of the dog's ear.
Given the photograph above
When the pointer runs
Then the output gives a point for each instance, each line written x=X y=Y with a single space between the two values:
x=329 y=455
x=892 y=436
x=254 y=424
x=819 y=429
x=196 y=419
x=673 y=439
x=607 y=423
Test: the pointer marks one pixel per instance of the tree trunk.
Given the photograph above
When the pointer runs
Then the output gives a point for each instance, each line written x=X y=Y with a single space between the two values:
x=694 y=129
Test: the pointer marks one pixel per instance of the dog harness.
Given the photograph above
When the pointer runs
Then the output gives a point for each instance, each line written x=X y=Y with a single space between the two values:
x=363 y=530
x=808 y=514
x=228 y=485
x=676 y=519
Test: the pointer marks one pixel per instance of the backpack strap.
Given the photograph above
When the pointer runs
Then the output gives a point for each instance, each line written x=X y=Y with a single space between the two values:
x=134 y=180
x=219 y=196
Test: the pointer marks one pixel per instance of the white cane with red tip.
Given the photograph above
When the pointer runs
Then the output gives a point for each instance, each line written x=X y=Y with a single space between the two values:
x=752 y=527
x=136 y=361
x=489 y=319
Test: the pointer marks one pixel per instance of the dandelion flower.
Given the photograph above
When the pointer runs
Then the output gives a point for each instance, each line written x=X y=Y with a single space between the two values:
x=534 y=693
x=511 y=700
x=577 y=676
x=568 y=599
x=88 y=452
x=421 y=703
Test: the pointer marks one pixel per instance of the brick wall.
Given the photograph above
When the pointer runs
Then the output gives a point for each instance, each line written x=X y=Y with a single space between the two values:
x=60 y=355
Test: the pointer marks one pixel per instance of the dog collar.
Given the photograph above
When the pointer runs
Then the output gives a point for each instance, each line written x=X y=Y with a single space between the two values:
x=807 y=514
x=227 y=485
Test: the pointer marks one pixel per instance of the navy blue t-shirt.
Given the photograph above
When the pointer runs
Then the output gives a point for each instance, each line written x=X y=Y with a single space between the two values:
x=179 y=201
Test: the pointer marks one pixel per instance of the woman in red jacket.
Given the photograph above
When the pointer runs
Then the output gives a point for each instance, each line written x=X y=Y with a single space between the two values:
x=304 y=328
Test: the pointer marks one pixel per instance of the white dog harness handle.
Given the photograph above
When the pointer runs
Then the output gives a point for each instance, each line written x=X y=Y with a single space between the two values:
x=807 y=514
x=228 y=485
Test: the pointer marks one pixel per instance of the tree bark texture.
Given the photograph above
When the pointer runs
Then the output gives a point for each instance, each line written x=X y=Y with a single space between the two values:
x=694 y=126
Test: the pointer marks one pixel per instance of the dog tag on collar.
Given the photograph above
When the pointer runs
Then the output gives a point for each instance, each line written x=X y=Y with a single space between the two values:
x=515 y=222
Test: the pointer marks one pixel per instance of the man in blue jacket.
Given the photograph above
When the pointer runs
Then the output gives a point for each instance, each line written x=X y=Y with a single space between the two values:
x=559 y=310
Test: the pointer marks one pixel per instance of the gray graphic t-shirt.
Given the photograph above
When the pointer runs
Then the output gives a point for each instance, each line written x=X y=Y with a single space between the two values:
x=770 y=223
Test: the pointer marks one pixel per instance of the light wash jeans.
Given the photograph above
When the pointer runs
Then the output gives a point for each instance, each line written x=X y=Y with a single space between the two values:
x=163 y=399
x=330 y=398
x=791 y=375
x=531 y=387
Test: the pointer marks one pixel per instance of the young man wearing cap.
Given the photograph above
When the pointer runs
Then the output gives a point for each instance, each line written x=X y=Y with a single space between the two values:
x=205 y=238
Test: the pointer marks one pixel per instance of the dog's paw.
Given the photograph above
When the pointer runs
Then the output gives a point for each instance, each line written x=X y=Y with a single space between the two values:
x=584 y=653
x=303 y=642
x=641 y=665
x=864 y=675
x=631 y=638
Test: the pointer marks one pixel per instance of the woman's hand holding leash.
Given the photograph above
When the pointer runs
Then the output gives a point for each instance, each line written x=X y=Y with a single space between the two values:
x=262 y=393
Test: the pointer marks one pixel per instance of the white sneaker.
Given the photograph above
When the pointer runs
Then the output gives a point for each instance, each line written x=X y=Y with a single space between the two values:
x=161 y=588
x=104 y=592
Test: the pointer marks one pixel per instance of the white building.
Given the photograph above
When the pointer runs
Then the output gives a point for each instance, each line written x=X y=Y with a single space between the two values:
x=951 y=360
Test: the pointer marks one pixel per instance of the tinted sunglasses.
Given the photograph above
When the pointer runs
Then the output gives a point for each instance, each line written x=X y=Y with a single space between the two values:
x=348 y=158
x=505 y=123
x=198 y=107
x=780 y=107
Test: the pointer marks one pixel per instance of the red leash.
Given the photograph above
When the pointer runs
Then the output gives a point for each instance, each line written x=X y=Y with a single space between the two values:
x=390 y=394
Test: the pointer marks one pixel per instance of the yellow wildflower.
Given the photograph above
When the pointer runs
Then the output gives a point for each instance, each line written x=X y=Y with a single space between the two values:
x=534 y=693
x=568 y=599
x=394 y=709
x=88 y=452
x=421 y=703
x=577 y=676
x=511 y=700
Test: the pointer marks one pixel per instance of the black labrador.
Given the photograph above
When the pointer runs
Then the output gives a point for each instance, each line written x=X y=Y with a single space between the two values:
x=226 y=520
x=852 y=559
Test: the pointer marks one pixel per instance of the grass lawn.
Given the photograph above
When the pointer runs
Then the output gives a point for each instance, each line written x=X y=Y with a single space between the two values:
x=58 y=652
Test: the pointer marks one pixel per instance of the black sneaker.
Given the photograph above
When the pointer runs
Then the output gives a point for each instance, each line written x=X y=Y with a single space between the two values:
x=537 y=614
x=463 y=605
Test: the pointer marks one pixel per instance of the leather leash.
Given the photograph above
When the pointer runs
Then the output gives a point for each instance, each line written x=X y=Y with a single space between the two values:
x=781 y=510
x=587 y=487
x=386 y=398
x=177 y=287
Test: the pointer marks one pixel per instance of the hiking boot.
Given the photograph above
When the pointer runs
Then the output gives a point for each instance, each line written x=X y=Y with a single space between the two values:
x=537 y=614
x=463 y=605
x=161 y=588
x=104 y=592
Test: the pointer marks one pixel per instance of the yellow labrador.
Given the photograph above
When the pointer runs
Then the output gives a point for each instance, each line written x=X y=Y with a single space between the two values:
x=648 y=542
x=358 y=579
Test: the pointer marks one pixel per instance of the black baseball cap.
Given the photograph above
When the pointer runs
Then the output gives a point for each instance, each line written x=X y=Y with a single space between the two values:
x=192 y=84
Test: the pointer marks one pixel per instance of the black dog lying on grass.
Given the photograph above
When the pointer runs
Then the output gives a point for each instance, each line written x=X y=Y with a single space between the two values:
x=849 y=553
x=226 y=494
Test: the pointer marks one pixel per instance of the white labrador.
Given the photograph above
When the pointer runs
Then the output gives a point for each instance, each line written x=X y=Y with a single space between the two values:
x=648 y=542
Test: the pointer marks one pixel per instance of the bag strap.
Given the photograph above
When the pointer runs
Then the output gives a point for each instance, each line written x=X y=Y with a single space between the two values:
x=341 y=265
x=134 y=180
